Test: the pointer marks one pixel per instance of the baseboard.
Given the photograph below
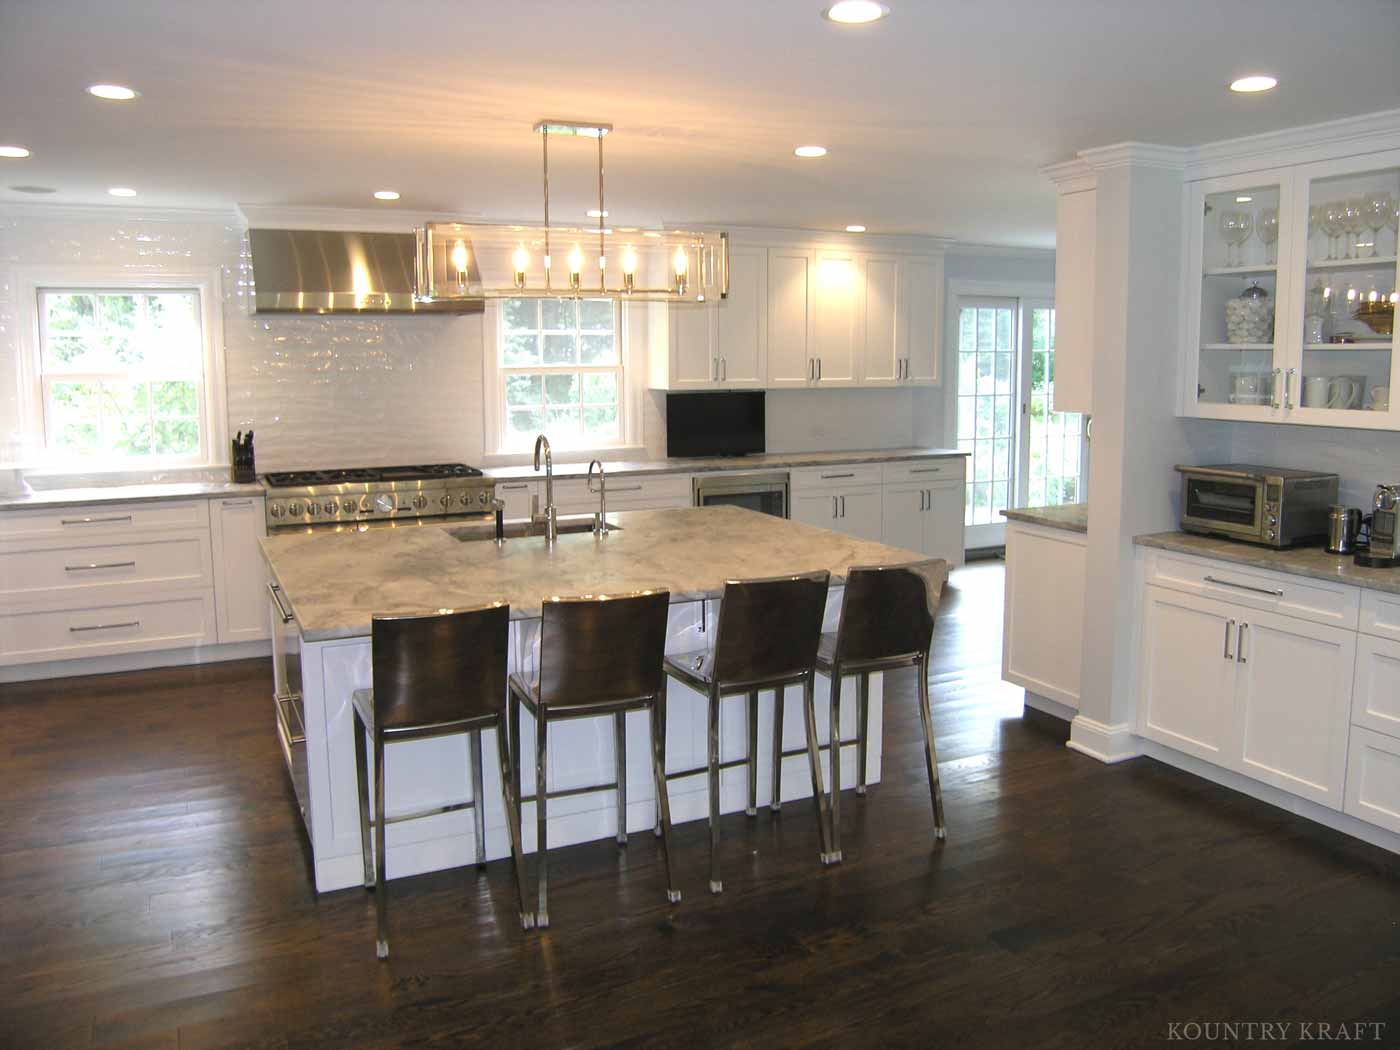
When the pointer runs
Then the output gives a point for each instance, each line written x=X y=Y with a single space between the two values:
x=204 y=654
x=1107 y=743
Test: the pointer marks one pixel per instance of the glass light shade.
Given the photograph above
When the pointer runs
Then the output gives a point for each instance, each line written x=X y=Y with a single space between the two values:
x=635 y=264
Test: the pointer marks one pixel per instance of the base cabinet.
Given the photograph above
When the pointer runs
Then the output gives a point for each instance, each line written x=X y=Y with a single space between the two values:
x=1043 y=614
x=1373 y=778
x=1188 y=674
x=240 y=580
x=854 y=511
x=926 y=518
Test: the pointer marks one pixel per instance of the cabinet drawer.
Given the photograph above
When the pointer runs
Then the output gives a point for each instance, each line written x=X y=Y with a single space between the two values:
x=105 y=520
x=844 y=476
x=172 y=562
x=652 y=492
x=1380 y=614
x=517 y=496
x=1373 y=779
x=1375 y=701
x=178 y=621
x=1334 y=604
x=919 y=471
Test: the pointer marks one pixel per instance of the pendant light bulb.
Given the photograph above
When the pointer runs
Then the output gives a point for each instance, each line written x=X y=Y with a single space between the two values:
x=520 y=259
x=575 y=266
x=459 y=261
x=629 y=268
x=681 y=264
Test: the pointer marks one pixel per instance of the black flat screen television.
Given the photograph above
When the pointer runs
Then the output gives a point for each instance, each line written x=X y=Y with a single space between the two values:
x=722 y=424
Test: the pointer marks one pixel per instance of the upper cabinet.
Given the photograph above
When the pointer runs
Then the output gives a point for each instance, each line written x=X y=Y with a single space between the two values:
x=1075 y=230
x=809 y=317
x=1290 y=294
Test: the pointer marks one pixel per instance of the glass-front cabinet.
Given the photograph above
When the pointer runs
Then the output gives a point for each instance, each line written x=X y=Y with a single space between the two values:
x=1294 y=277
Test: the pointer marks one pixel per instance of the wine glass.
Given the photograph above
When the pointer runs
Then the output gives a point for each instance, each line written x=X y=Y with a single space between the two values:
x=1334 y=224
x=1314 y=223
x=1378 y=210
x=1235 y=227
x=1355 y=224
x=1266 y=223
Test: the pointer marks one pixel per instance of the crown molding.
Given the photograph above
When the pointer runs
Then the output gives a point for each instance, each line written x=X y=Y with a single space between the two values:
x=1135 y=155
x=1000 y=251
x=114 y=213
x=1071 y=176
x=786 y=236
x=363 y=220
x=1329 y=140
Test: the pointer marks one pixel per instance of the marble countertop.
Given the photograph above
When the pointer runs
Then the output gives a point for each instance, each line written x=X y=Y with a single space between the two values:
x=766 y=461
x=1313 y=562
x=151 y=493
x=334 y=582
x=1072 y=517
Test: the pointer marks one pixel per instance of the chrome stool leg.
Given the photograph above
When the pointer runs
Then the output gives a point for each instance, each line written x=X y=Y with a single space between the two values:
x=663 y=800
x=814 y=761
x=541 y=822
x=776 y=802
x=835 y=752
x=752 y=809
x=716 y=886
x=381 y=905
x=940 y=829
x=478 y=799
x=362 y=784
x=512 y=800
x=620 y=771
x=862 y=729
x=517 y=761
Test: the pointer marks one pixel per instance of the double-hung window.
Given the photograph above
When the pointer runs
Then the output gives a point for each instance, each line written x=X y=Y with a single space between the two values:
x=121 y=375
x=559 y=371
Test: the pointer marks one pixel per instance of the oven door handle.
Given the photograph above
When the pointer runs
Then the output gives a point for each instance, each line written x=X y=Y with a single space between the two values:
x=276 y=592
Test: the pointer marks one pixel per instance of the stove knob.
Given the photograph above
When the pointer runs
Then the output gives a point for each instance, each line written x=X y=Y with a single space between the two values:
x=294 y=509
x=481 y=497
x=420 y=501
x=446 y=500
x=364 y=505
x=384 y=502
x=466 y=499
x=313 y=509
x=348 y=506
x=277 y=510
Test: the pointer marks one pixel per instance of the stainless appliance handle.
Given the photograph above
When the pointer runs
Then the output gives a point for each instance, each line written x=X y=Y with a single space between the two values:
x=1288 y=389
x=276 y=593
x=94 y=521
x=1229 y=629
x=1243 y=587
x=848 y=475
x=1239 y=644
x=100 y=565
x=1278 y=373
x=286 y=710
x=105 y=626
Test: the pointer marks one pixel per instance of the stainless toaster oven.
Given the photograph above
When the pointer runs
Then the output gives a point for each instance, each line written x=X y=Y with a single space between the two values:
x=1272 y=506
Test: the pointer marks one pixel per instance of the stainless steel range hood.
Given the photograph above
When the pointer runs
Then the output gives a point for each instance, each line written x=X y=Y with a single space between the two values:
x=332 y=272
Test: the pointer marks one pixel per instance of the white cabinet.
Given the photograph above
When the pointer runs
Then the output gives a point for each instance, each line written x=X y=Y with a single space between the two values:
x=921 y=283
x=1043 y=613
x=790 y=362
x=1075 y=230
x=883 y=335
x=240 y=579
x=625 y=492
x=1263 y=694
x=1376 y=695
x=1373 y=778
x=854 y=511
x=836 y=310
x=927 y=518
x=717 y=345
x=518 y=497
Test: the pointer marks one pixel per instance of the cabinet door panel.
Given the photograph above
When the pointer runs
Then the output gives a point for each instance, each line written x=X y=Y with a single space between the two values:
x=1188 y=686
x=816 y=508
x=518 y=497
x=836 y=316
x=741 y=320
x=860 y=514
x=943 y=522
x=882 y=353
x=1373 y=778
x=1294 y=704
x=240 y=575
x=692 y=345
x=1074 y=301
x=788 y=327
x=902 y=517
x=1376 y=698
x=1043 y=621
x=923 y=313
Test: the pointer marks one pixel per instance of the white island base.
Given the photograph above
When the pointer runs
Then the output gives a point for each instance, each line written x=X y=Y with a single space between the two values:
x=423 y=774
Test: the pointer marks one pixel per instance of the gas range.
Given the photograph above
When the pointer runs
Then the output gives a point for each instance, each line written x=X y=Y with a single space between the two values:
x=302 y=498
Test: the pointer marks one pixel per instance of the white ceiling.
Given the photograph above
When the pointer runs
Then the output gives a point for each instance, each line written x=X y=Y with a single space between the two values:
x=937 y=118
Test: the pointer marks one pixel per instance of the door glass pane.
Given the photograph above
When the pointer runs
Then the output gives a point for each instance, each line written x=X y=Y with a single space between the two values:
x=986 y=405
x=1239 y=296
x=1055 y=465
x=1349 y=293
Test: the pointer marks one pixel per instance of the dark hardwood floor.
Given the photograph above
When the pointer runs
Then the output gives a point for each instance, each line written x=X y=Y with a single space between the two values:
x=154 y=892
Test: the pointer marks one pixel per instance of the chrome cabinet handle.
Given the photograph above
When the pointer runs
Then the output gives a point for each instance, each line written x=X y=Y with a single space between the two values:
x=827 y=476
x=100 y=565
x=514 y=488
x=819 y=370
x=237 y=502
x=1244 y=587
x=926 y=470
x=811 y=369
x=276 y=593
x=923 y=500
x=833 y=507
x=628 y=488
x=843 y=506
x=1229 y=627
x=1278 y=374
x=724 y=370
x=1288 y=389
x=929 y=494
x=94 y=521
x=105 y=626
x=1239 y=644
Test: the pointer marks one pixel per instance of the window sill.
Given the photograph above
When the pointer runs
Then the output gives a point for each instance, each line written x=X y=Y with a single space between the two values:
x=568 y=455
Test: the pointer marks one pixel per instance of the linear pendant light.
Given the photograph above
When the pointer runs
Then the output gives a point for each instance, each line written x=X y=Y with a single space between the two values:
x=476 y=261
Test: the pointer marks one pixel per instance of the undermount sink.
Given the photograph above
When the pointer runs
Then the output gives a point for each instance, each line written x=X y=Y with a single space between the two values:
x=519 y=530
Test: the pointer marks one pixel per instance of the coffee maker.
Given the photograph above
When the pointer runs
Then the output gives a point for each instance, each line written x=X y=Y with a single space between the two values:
x=1384 y=549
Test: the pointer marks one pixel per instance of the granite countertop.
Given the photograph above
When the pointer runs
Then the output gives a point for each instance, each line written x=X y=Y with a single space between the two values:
x=151 y=493
x=1313 y=562
x=334 y=582
x=1072 y=517
x=766 y=461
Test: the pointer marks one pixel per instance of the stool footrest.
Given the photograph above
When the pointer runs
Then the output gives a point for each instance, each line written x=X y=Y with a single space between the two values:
x=451 y=807
x=566 y=793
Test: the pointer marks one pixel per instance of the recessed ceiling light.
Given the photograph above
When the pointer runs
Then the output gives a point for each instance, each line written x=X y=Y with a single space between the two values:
x=386 y=195
x=1258 y=82
x=122 y=191
x=15 y=152
x=1243 y=198
x=113 y=92
x=855 y=229
x=855 y=12
x=594 y=213
x=810 y=151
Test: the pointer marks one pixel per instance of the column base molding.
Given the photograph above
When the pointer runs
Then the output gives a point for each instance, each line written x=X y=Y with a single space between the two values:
x=1107 y=743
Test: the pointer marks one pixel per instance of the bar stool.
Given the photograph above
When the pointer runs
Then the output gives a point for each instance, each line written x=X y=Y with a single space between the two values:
x=434 y=674
x=598 y=656
x=887 y=618
x=766 y=638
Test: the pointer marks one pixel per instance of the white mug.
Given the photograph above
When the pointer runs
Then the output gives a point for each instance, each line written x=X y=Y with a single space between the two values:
x=1380 y=398
x=1316 y=391
x=1345 y=392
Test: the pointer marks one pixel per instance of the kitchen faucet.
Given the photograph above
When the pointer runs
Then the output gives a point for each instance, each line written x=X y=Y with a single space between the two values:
x=551 y=515
x=600 y=526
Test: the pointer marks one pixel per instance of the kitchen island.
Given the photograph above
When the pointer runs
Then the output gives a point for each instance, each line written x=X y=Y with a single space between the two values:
x=327 y=586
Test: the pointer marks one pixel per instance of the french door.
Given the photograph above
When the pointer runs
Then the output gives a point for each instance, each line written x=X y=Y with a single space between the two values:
x=1023 y=453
